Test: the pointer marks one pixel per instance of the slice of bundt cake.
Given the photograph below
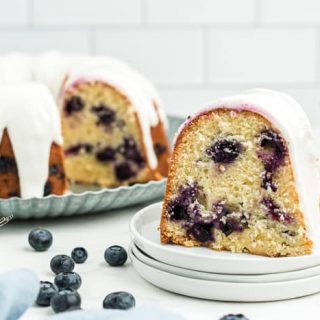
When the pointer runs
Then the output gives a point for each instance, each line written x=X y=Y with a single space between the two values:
x=31 y=156
x=113 y=127
x=244 y=178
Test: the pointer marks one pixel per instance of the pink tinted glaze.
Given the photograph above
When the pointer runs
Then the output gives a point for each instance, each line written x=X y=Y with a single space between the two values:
x=74 y=84
x=204 y=110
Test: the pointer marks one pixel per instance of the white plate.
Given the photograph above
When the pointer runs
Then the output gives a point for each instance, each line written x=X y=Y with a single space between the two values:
x=144 y=232
x=226 y=291
x=272 y=277
x=82 y=200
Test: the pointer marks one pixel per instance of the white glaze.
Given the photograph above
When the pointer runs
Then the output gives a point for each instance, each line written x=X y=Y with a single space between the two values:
x=287 y=116
x=132 y=85
x=31 y=117
x=15 y=67
x=52 y=67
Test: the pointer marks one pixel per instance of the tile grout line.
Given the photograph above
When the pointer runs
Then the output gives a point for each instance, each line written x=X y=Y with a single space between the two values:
x=143 y=13
x=257 y=13
x=155 y=27
x=31 y=14
x=232 y=86
x=205 y=57
x=317 y=59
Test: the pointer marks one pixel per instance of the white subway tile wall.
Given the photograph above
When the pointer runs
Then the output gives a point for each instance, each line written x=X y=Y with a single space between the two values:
x=169 y=57
x=86 y=12
x=262 y=56
x=37 y=40
x=193 y=50
x=290 y=11
x=14 y=13
x=200 y=12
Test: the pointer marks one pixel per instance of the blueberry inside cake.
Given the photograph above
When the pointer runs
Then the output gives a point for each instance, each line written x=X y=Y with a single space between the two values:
x=233 y=177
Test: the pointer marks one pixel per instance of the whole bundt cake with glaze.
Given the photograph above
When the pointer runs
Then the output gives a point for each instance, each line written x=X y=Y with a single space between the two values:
x=244 y=177
x=113 y=126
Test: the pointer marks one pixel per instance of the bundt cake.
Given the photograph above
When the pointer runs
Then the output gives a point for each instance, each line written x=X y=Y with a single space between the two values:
x=31 y=156
x=244 y=177
x=113 y=126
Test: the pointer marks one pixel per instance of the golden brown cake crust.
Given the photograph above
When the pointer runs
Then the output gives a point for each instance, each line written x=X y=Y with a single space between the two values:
x=161 y=147
x=168 y=235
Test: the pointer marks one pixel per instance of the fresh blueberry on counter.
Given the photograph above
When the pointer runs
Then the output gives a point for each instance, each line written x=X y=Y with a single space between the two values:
x=115 y=256
x=65 y=300
x=40 y=239
x=119 y=300
x=47 y=290
x=79 y=255
x=68 y=280
x=61 y=263
x=234 y=317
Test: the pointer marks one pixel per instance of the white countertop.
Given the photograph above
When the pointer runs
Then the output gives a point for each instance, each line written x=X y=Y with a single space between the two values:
x=98 y=231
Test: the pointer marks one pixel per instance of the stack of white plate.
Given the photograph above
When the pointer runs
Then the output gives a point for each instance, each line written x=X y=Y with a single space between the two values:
x=225 y=276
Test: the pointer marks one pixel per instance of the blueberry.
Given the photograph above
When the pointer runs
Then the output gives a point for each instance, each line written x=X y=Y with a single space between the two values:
x=105 y=115
x=40 y=239
x=201 y=232
x=189 y=192
x=274 y=150
x=227 y=228
x=14 y=194
x=224 y=151
x=7 y=164
x=177 y=210
x=274 y=211
x=77 y=148
x=178 y=207
x=130 y=151
x=61 y=263
x=224 y=222
x=272 y=156
x=124 y=171
x=267 y=181
x=119 y=300
x=106 y=155
x=68 y=280
x=54 y=169
x=234 y=317
x=115 y=256
x=272 y=140
x=75 y=308
x=220 y=210
x=230 y=226
x=65 y=300
x=74 y=104
x=47 y=189
x=79 y=255
x=159 y=149
x=47 y=290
